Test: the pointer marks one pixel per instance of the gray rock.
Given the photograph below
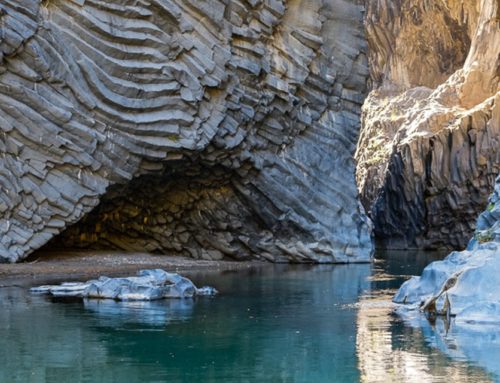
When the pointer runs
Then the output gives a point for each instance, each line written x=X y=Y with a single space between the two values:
x=209 y=131
x=428 y=153
x=148 y=285
x=466 y=284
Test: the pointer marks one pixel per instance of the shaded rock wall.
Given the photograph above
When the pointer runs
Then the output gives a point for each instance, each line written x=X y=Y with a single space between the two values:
x=429 y=147
x=212 y=128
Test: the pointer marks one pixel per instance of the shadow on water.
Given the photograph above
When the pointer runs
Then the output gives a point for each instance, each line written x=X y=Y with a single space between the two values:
x=282 y=323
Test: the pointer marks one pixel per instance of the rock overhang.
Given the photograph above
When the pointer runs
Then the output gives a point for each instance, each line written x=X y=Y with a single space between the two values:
x=253 y=107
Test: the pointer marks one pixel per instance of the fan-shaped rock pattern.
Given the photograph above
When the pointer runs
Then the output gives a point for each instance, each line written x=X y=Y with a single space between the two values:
x=429 y=151
x=214 y=128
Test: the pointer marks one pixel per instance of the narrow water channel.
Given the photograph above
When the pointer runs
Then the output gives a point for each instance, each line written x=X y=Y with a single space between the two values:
x=276 y=323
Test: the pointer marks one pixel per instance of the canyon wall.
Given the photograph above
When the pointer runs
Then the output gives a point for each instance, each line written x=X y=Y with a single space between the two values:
x=204 y=128
x=429 y=151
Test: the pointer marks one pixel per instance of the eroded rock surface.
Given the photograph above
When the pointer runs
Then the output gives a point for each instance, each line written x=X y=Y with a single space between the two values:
x=148 y=285
x=429 y=151
x=214 y=128
x=466 y=284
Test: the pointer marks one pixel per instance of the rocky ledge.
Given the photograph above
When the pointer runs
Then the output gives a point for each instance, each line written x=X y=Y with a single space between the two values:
x=148 y=285
x=466 y=284
x=209 y=129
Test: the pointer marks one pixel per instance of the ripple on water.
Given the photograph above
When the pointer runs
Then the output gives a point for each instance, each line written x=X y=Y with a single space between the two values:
x=280 y=323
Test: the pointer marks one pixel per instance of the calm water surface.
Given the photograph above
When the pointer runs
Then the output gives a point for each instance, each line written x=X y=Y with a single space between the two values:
x=270 y=324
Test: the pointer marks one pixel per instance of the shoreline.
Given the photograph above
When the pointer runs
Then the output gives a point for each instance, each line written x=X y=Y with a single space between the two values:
x=75 y=265
x=56 y=266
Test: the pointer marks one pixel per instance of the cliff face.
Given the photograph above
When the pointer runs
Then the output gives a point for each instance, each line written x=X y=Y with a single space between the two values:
x=429 y=151
x=206 y=128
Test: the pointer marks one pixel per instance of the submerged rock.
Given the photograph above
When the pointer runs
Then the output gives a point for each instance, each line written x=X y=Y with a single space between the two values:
x=148 y=285
x=466 y=284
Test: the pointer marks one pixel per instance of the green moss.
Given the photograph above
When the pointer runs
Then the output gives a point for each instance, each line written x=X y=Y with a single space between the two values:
x=484 y=236
x=378 y=149
x=173 y=137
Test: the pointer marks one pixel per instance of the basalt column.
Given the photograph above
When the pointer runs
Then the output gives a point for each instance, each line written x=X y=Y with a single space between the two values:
x=429 y=149
x=204 y=128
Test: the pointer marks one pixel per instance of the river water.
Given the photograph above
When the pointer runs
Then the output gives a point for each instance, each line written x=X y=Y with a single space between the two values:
x=276 y=323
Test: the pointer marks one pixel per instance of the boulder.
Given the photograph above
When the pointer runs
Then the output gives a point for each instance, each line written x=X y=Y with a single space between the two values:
x=466 y=284
x=148 y=285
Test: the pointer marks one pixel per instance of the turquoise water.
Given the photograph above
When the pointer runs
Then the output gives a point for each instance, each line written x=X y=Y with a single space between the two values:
x=269 y=324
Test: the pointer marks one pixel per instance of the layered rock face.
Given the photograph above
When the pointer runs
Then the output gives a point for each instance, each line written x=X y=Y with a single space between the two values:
x=205 y=128
x=429 y=149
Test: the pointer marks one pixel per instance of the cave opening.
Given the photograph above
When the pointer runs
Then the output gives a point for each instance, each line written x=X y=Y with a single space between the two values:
x=188 y=211
x=196 y=211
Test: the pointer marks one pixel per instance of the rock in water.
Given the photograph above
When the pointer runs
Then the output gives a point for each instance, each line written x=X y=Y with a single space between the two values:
x=469 y=280
x=429 y=148
x=209 y=129
x=148 y=285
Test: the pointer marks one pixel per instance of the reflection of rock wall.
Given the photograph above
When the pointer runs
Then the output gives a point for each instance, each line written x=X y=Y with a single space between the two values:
x=429 y=150
x=459 y=341
x=241 y=118
x=46 y=341
x=384 y=357
x=38 y=344
x=268 y=321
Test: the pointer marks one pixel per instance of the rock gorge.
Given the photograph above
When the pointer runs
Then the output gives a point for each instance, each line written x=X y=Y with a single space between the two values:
x=204 y=128
x=429 y=153
x=228 y=129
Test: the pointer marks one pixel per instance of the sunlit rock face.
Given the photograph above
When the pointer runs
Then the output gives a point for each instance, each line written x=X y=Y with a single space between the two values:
x=205 y=128
x=466 y=284
x=428 y=152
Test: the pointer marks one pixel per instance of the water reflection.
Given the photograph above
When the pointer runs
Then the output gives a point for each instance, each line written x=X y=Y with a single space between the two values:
x=391 y=349
x=273 y=324
x=474 y=343
x=280 y=324
x=43 y=342
x=155 y=313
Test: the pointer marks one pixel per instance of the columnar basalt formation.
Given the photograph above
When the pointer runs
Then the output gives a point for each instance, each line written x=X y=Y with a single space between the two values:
x=429 y=151
x=206 y=128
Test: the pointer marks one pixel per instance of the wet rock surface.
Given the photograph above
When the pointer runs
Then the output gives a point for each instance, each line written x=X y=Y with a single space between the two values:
x=466 y=284
x=429 y=151
x=148 y=285
x=214 y=129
